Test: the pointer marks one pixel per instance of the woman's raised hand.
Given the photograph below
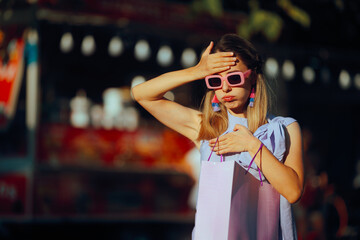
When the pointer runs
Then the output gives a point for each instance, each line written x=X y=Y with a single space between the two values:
x=214 y=63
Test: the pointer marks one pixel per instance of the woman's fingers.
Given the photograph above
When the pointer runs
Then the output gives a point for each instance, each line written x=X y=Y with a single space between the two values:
x=225 y=59
x=211 y=63
x=224 y=54
x=222 y=69
x=221 y=59
x=208 y=49
x=223 y=64
x=220 y=142
x=221 y=150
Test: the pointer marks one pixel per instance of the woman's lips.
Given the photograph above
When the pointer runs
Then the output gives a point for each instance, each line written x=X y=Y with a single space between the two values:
x=228 y=98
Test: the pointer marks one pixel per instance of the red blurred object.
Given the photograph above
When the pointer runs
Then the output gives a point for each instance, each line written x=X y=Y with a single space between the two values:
x=66 y=145
x=10 y=77
x=101 y=172
x=13 y=187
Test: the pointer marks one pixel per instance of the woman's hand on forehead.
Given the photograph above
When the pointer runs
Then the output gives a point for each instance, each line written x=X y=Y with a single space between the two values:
x=211 y=63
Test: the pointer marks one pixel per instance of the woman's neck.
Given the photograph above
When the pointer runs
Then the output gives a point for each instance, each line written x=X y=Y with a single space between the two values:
x=238 y=113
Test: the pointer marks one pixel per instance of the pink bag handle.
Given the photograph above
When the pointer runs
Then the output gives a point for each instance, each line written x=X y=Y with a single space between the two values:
x=221 y=159
x=252 y=162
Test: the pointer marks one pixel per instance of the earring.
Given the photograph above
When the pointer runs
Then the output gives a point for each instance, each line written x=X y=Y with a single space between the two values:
x=252 y=97
x=215 y=104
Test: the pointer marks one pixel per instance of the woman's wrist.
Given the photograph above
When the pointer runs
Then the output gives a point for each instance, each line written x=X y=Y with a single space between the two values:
x=254 y=145
x=197 y=72
x=193 y=72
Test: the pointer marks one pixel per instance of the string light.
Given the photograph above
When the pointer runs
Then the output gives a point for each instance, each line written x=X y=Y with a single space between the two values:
x=308 y=75
x=188 y=58
x=288 y=70
x=88 y=45
x=169 y=95
x=137 y=80
x=344 y=79
x=165 y=56
x=116 y=46
x=142 y=50
x=66 y=42
x=271 y=67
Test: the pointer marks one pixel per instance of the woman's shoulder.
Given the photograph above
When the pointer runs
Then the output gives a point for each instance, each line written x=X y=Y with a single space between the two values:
x=285 y=121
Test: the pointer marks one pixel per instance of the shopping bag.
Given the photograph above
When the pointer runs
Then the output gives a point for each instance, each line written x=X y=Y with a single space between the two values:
x=234 y=205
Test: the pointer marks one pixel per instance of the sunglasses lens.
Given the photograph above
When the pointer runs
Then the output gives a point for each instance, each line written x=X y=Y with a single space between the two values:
x=234 y=79
x=214 y=82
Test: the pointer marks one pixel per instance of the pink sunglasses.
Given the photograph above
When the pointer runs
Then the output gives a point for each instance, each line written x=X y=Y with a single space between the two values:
x=234 y=79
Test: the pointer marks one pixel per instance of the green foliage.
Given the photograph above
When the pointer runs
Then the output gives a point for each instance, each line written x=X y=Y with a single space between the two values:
x=261 y=21
x=295 y=13
x=268 y=23
x=213 y=7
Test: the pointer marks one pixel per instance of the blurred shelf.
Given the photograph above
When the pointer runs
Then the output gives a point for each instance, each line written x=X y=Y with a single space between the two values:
x=173 y=218
x=19 y=16
x=14 y=164
x=153 y=170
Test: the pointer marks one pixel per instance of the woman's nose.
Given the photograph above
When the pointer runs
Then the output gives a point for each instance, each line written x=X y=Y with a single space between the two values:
x=226 y=87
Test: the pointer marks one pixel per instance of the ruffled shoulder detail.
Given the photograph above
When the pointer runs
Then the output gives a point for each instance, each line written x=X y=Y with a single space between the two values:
x=273 y=135
x=283 y=120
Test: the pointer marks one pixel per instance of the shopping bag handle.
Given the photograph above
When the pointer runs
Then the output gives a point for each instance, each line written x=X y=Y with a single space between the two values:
x=261 y=145
x=212 y=150
x=252 y=160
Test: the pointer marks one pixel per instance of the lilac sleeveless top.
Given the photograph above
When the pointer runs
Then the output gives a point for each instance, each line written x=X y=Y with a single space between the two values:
x=272 y=211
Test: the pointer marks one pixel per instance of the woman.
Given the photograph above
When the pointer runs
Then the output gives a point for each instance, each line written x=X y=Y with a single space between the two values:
x=238 y=125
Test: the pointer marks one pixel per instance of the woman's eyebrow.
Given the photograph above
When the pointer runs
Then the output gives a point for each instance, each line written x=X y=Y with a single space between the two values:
x=234 y=71
x=230 y=72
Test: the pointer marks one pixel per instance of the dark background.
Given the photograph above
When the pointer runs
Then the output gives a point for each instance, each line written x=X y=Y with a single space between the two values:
x=328 y=114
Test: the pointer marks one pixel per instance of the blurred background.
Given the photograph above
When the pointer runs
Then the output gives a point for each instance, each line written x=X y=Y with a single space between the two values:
x=79 y=158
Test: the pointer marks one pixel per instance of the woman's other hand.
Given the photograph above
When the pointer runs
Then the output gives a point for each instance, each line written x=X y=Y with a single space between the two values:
x=241 y=140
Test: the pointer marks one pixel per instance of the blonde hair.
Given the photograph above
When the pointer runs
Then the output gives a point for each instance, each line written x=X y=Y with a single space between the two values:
x=213 y=123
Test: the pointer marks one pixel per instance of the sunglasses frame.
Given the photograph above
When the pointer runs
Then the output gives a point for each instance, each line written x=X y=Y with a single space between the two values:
x=243 y=75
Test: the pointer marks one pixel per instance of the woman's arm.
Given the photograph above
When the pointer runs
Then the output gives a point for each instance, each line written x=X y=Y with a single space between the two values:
x=150 y=94
x=288 y=177
x=182 y=119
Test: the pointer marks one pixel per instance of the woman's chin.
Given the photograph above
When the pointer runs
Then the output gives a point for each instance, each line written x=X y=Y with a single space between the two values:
x=234 y=107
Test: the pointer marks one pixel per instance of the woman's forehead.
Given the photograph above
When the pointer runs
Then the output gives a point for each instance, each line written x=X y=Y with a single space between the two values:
x=239 y=66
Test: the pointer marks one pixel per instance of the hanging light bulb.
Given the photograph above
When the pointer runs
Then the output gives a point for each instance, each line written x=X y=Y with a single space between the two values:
x=137 y=80
x=344 y=79
x=66 y=42
x=88 y=45
x=165 y=56
x=170 y=96
x=288 y=70
x=188 y=58
x=142 y=50
x=116 y=46
x=308 y=74
x=271 y=67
